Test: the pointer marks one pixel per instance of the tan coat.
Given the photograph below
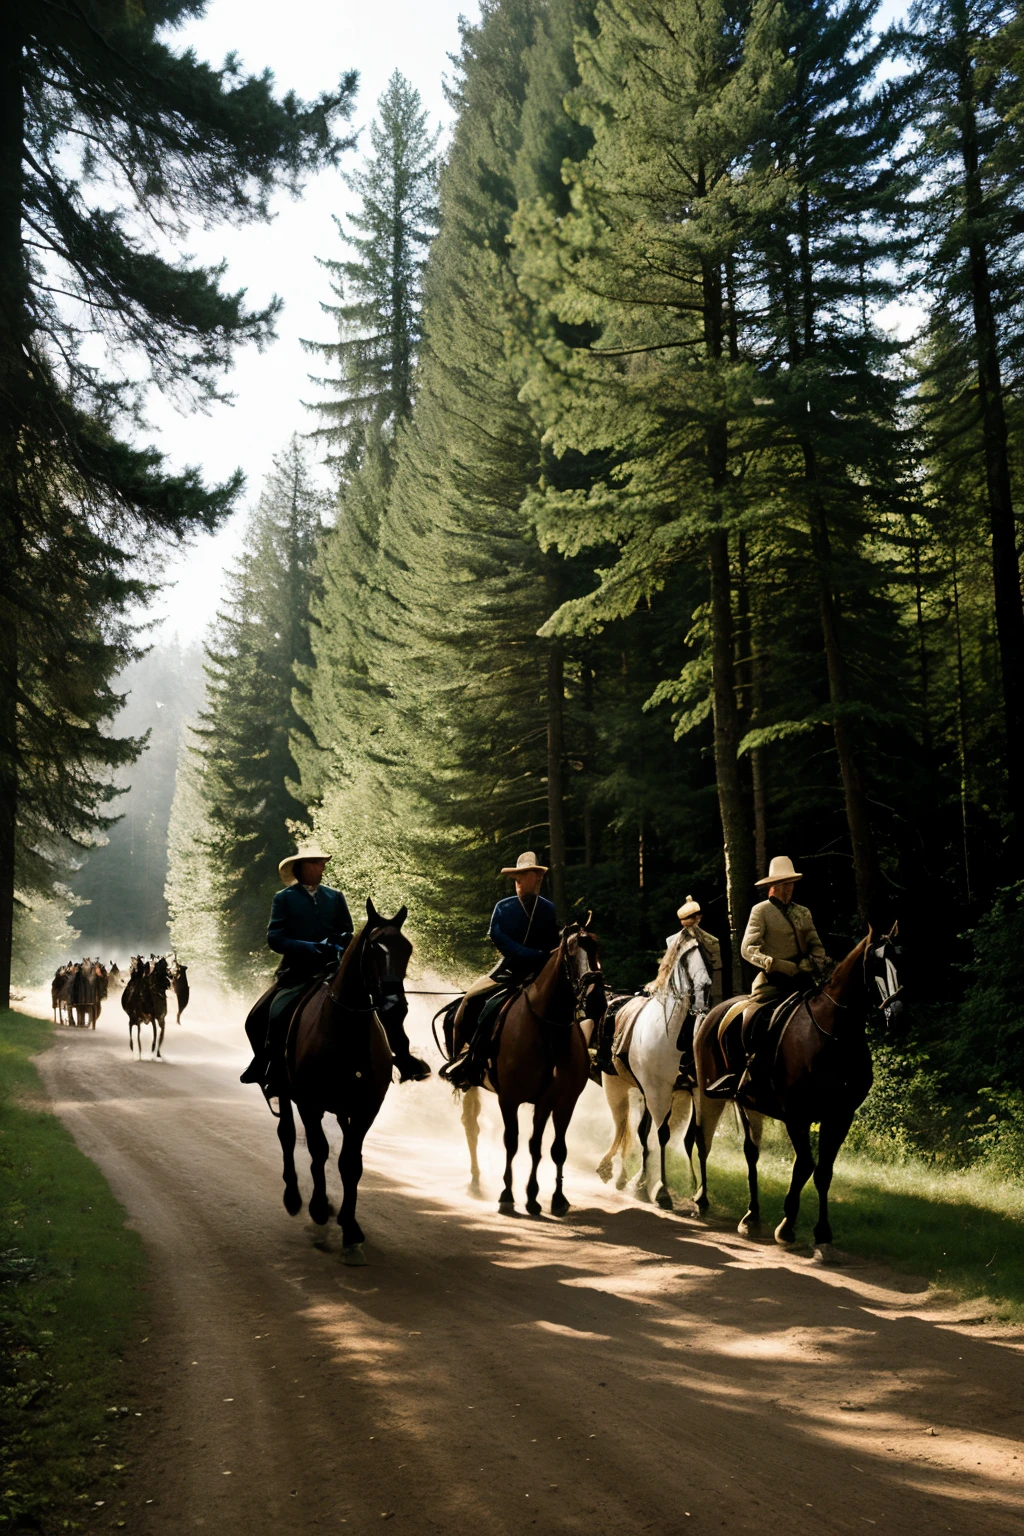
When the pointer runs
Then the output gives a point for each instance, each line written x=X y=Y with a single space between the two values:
x=770 y=944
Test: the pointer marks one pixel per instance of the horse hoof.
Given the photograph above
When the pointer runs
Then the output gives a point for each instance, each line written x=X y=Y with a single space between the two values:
x=664 y=1199
x=604 y=1172
x=622 y=1180
x=783 y=1236
x=749 y=1228
x=319 y=1211
x=506 y=1207
x=292 y=1202
x=533 y=1207
x=353 y=1253
x=559 y=1206
x=824 y=1253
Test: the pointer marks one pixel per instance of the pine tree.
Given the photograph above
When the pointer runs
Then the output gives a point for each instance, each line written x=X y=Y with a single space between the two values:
x=259 y=639
x=94 y=98
x=675 y=96
x=378 y=287
x=967 y=89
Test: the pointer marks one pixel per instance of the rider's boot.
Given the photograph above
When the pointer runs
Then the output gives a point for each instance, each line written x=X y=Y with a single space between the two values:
x=256 y=1071
x=411 y=1069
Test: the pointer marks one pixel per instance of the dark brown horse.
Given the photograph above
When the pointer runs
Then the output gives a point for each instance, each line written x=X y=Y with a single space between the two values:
x=818 y=1071
x=338 y=1062
x=542 y=1056
x=179 y=981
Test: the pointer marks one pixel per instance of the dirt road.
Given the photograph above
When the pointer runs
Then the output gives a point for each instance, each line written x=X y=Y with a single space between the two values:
x=618 y=1372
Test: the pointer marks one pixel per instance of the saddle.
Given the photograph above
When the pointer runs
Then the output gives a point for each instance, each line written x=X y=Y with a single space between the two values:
x=625 y=1022
x=749 y=1034
x=479 y=1062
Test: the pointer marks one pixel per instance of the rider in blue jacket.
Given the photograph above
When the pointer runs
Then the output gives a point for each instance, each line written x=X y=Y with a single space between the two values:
x=524 y=929
x=310 y=928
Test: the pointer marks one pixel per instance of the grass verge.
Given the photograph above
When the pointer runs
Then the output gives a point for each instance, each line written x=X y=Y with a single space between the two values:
x=963 y=1231
x=71 y=1278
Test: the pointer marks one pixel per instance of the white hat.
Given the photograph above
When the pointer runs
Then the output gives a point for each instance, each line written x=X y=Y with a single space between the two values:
x=779 y=871
x=525 y=863
x=307 y=851
x=689 y=908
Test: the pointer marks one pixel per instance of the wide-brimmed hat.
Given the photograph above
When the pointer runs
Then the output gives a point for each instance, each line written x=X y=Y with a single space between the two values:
x=689 y=908
x=779 y=871
x=307 y=851
x=524 y=864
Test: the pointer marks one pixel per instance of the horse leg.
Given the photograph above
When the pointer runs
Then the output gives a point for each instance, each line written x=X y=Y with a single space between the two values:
x=643 y=1132
x=286 y=1136
x=318 y=1147
x=663 y=1196
x=831 y=1136
x=706 y=1115
x=616 y=1092
x=471 y=1126
x=158 y=1036
x=752 y=1124
x=559 y=1152
x=350 y=1167
x=510 y=1116
x=540 y=1120
x=803 y=1167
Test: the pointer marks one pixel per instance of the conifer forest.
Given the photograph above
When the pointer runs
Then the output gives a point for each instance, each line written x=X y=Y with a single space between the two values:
x=672 y=404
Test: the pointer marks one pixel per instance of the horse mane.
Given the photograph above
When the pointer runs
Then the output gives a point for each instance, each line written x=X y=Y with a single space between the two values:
x=353 y=950
x=844 y=966
x=668 y=964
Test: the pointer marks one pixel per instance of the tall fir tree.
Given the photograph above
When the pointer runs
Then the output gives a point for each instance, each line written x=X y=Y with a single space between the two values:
x=96 y=101
x=259 y=639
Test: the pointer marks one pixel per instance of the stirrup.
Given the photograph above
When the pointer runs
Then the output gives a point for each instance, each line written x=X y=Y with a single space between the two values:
x=412 y=1070
x=723 y=1087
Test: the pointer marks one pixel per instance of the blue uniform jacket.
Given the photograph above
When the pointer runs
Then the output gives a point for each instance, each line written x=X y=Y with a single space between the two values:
x=301 y=923
x=524 y=952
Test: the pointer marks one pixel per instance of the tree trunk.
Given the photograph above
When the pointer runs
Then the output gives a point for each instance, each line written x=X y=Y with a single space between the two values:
x=12 y=392
x=858 y=818
x=739 y=875
x=1009 y=606
x=556 y=757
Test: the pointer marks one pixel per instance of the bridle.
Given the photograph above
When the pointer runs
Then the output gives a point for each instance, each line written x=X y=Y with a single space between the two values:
x=368 y=983
x=579 y=986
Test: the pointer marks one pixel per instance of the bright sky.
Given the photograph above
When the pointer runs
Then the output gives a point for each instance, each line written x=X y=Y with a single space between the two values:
x=308 y=44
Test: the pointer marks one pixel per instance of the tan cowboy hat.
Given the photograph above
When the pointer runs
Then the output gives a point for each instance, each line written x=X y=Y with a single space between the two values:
x=689 y=908
x=779 y=871
x=306 y=851
x=523 y=865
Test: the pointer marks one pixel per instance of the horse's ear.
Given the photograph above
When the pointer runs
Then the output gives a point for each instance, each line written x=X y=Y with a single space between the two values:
x=400 y=916
x=586 y=920
x=893 y=934
x=371 y=910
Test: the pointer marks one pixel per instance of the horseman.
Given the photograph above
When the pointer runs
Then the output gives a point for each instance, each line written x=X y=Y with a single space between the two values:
x=711 y=950
x=310 y=927
x=524 y=929
x=781 y=939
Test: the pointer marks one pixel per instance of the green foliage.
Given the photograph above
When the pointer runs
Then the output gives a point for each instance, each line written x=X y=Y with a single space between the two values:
x=112 y=145
x=259 y=638
x=71 y=1291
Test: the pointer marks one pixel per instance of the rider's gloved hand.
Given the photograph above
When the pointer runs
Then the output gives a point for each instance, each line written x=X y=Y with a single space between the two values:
x=806 y=966
x=784 y=967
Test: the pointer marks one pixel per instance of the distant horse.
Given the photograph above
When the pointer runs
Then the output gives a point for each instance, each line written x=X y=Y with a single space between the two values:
x=155 y=993
x=542 y=1059
x=134 y=1000
x=57 y=994
x=817 y=1071
x=179 y=981
x=87 y=990
x=338 y=1062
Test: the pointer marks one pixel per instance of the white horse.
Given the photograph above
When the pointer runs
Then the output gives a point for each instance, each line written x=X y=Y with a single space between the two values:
x=653 y=1031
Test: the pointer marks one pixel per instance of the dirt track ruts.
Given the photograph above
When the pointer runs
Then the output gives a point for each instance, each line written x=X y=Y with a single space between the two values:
x=614 y=1373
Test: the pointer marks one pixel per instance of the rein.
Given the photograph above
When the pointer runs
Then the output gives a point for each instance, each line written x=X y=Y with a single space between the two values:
x=579 y=989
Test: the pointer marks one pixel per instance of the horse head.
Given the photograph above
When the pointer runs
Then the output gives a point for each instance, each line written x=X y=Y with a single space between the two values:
x=583 y=968
x=382 y=953
x=880 y=974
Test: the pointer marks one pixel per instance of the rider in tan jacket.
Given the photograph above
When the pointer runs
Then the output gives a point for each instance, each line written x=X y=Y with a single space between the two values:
x=781 y=939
